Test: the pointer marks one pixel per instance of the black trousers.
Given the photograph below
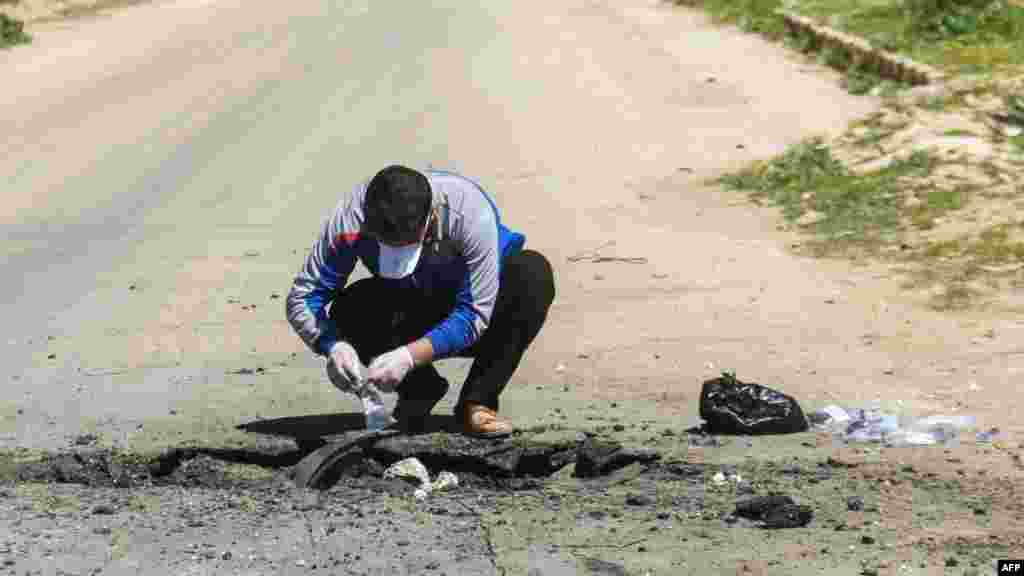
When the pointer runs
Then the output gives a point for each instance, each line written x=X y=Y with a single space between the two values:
x=375 y=316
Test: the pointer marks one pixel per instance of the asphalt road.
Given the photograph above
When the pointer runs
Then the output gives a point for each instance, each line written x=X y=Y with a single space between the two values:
x=165 y=168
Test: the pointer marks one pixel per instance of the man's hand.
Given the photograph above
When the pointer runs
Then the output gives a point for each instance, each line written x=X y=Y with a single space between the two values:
x=344 y=368
x=388 y=370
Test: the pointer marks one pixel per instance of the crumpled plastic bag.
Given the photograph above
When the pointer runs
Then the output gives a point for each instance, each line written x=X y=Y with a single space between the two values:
x=931 y=430
x=413 y=469
x=830 y=417
x=873 y=425
x=986 y=436
x=410 y=469
x=729 y=406
x=443 y=481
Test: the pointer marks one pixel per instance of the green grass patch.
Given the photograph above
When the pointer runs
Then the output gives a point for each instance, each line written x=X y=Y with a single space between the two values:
x=876 y=133
x=761 y=17
x=945 y=200
x=959 y=133
x=860 y=81
x=959 y=36
x=12 y=32
x=952 y=265
x=1018 y=142
x=936 y=202
x=946 y=248
x=756 y=16
x=996 y=245
x=862 y=208
x=963 y=36
x=1015 y=108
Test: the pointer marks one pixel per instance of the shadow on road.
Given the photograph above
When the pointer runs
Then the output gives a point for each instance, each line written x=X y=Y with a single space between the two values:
x=310 y=448
x=314 y=430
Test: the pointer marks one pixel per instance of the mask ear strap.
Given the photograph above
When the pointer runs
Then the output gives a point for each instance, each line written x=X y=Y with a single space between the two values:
x=439 y=215
x=433 y=226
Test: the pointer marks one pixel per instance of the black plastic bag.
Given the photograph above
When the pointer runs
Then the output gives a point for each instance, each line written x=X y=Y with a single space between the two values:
x=729 y=406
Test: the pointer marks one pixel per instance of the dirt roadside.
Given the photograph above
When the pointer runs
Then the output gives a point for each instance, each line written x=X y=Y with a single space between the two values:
x=36 y=13
x=718 y=291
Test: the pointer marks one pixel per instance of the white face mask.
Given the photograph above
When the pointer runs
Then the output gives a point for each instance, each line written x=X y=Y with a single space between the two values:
x=395 y=262
x=398 y=261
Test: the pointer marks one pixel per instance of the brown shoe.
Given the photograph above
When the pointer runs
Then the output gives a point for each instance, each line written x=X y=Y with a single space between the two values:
x=481 y=422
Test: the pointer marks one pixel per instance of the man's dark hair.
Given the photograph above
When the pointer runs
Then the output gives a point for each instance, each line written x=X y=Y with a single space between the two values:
x=397 y=204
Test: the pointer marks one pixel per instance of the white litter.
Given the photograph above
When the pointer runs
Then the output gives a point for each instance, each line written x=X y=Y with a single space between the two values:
x=987 y=436
x=871 y=424
x=413 y=469
x=836 y=413
x=410 y=468
x=444 y=481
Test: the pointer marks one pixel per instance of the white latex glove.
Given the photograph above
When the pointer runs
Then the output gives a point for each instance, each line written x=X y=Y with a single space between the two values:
x=344 y=368
x=388 y=370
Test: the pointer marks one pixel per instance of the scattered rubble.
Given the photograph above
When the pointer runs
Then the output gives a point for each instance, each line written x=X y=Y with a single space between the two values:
x=774 y=511
x=599 y=459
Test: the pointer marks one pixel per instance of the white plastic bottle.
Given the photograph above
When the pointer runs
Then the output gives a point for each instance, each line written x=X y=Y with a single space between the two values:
x=377 y=415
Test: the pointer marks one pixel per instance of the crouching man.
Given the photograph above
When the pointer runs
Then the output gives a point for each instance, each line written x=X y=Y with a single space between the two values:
x=448 y=280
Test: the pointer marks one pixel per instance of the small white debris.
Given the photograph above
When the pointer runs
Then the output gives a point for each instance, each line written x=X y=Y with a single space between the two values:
x=560 y=368
x=410 y=468
x=718 y=478
x=445 y=480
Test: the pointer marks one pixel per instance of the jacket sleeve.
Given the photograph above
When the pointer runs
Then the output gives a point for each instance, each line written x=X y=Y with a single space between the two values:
x=327 y=267
x=474 y=302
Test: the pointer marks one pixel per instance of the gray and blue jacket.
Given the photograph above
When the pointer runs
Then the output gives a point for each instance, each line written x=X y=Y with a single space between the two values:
x=470 y=243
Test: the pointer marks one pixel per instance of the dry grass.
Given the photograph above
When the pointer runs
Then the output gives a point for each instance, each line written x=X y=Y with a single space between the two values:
x=928 y=183
x=930 y=180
